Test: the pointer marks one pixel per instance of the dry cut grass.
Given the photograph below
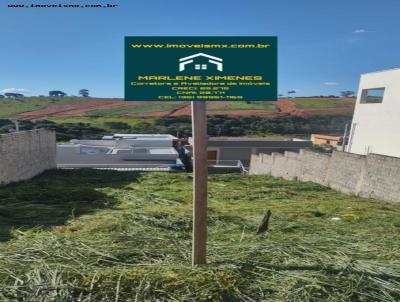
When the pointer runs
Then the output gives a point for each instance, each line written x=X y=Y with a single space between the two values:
x=106 y=236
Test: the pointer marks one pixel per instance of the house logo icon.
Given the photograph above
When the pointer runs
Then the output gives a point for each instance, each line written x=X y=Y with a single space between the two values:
x=200 y=64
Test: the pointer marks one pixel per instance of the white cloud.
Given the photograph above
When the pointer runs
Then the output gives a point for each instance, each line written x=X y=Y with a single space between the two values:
x=330 y=83
x=359 y=31
x=13 y=90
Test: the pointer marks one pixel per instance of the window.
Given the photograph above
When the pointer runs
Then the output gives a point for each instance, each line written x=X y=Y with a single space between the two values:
x=197 y=66
x=372 y=96
x=204 y=66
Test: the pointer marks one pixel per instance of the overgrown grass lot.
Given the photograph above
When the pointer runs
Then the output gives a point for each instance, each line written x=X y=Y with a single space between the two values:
x=86 y=235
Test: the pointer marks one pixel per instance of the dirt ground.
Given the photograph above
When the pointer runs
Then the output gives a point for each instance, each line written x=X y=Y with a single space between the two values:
x=75 y=109
x=285 y=107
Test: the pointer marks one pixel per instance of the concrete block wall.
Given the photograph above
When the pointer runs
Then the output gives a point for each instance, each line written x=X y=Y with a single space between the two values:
x=346 y=172
x=25 y=154
x=314 y=167
x=382 y=177
x=279 y=165
x=293 y=165
x=373 y=175
x=260 y=164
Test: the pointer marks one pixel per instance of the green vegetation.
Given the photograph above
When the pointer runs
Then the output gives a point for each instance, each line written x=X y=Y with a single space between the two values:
x=223 y=125
x=100 y=122
x=320 y=103
x=244 y=106
x=121 y=111
x=64 y=132
x=94 y=128
x=288 y=125
x=106 y=236
x=75 y=128
x=11 y=108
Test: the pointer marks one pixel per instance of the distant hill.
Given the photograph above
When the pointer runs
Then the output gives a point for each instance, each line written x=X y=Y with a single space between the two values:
x=38 y=108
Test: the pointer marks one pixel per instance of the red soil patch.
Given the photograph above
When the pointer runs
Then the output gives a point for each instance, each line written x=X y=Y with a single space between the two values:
x=75 y=109
x=288 y=107
x=182 y=111
x=285 y=107
x=84 y=106
x=213 y=106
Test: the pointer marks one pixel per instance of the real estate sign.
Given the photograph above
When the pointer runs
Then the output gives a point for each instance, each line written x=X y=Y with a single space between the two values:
x=200 y=68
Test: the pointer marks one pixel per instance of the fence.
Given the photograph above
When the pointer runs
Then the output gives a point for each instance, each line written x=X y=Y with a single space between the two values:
x=372 y=175
x=25 y=154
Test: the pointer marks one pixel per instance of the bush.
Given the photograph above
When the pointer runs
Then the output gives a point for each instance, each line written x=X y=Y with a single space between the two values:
x=182 y=127
x=117 y=125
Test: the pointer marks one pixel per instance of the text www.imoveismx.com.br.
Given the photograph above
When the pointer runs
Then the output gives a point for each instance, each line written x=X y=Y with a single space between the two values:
x=62 y=5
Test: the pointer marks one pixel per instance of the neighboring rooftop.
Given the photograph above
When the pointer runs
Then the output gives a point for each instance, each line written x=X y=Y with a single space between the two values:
x=331 y=137
x=131 y=151
x=141 y=136
x=251 y=142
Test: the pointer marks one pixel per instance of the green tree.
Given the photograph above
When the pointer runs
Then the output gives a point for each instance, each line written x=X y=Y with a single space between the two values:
x=347 y=93
x=84 y=93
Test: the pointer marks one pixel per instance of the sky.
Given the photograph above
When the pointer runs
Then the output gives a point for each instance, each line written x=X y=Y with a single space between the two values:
x=323 y=46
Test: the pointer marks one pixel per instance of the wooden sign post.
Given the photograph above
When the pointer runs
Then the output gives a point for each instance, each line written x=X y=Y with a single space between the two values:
x=200 y=175
x=198 y=70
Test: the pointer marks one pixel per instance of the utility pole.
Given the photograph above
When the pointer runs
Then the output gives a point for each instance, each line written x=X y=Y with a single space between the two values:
x=344 y=138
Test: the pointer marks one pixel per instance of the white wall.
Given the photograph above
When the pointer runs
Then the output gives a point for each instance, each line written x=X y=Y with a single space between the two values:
x=376 y=126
